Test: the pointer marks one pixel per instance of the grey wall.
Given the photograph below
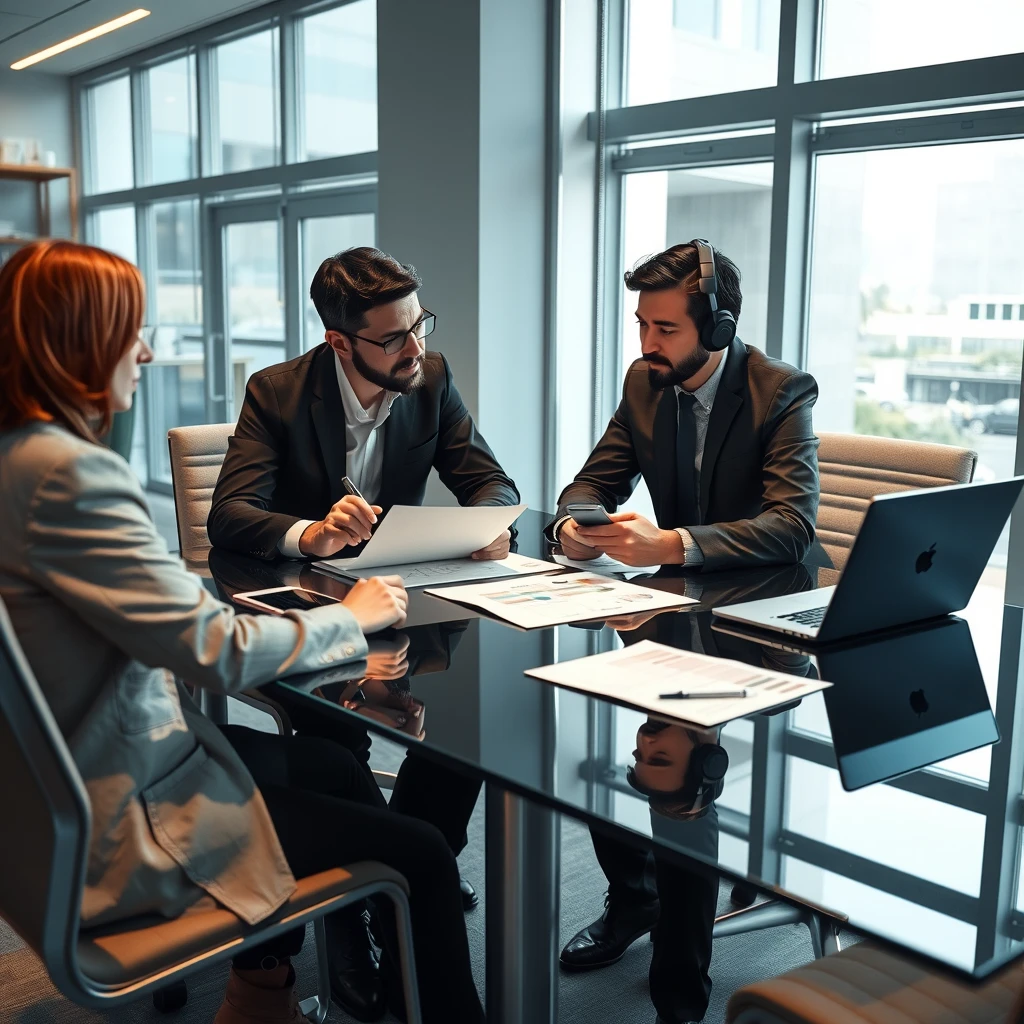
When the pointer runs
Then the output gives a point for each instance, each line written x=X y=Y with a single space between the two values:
x=36 y=105
x=461 y=173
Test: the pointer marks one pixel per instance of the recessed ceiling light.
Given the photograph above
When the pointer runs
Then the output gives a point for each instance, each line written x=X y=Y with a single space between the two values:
x=82 y=37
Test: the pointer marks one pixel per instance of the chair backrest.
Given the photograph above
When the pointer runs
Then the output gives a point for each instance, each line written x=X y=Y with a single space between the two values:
x=196 y=457
x=854 y=468
x=47 y=820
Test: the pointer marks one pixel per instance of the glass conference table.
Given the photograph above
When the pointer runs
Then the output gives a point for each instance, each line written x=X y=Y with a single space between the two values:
x=817 y=810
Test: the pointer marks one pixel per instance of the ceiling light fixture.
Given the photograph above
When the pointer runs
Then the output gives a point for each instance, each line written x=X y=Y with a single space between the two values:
x=82 y=37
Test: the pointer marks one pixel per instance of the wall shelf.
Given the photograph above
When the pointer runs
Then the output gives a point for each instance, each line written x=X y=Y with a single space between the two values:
x=42 y=177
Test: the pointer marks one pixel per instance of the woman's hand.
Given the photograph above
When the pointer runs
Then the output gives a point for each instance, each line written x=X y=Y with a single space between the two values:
x=378 y=602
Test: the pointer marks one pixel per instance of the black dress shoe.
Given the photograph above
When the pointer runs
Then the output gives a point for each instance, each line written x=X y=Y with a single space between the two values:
x=606 y=940
x=356 y=982
x=469 y=896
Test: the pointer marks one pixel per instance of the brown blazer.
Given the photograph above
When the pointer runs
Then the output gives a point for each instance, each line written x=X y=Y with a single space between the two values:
x=107 y=618
x=759 y=475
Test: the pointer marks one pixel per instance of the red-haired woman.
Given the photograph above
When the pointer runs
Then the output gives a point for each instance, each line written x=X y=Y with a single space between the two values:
x=107 y=618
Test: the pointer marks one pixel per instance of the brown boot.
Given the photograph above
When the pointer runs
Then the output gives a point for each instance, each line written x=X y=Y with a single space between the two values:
x=260 y=997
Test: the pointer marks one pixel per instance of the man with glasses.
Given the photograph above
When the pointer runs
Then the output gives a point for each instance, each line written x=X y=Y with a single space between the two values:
x=371 y=404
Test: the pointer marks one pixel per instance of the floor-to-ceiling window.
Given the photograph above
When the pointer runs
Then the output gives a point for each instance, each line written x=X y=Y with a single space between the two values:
x=861 y=161
x=228 y=164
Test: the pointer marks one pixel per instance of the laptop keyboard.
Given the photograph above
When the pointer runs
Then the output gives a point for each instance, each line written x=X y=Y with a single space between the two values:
x=807 y=617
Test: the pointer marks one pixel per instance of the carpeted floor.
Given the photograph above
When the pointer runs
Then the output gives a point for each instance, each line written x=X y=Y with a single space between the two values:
x=618 y=994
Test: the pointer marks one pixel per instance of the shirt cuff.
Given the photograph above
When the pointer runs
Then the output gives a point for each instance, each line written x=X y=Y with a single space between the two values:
x=288 y=545
x=556 y=527
x=692 y=553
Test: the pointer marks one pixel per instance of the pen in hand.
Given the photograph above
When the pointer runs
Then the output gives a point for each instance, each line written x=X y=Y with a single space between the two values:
x=702 y=695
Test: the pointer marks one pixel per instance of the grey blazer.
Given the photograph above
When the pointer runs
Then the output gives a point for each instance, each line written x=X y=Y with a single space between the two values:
x=107 y=618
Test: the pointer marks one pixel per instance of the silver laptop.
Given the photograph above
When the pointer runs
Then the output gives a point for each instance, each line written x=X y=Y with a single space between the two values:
x=918 y=555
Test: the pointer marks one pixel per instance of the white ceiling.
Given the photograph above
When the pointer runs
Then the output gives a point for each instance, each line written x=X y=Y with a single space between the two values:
x=27 y=26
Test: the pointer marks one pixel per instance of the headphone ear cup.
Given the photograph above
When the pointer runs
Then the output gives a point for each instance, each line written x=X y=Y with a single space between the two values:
x=720 y=331
x=714 y=763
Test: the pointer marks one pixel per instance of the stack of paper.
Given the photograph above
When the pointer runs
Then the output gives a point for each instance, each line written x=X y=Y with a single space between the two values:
x=553 y=600
x=428 y=545
x=638 y=675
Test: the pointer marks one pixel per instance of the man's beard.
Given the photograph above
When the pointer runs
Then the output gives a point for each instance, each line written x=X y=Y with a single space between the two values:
x=675 y=374
x=390 y=381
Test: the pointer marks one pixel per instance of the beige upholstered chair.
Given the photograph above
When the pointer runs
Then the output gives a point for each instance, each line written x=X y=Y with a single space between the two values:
x=43 y=867
x=854 y=468
x=866 y=984
x=196 y=457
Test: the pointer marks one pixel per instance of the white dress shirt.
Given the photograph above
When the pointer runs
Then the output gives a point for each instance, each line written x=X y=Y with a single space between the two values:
x=364 y=451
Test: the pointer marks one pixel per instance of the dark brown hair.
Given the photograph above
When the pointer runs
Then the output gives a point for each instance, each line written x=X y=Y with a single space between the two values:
x=679 y=265
x=356 y=280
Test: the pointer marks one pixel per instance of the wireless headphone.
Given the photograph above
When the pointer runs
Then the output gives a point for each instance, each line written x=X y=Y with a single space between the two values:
x=720 y=328
x=703 y=785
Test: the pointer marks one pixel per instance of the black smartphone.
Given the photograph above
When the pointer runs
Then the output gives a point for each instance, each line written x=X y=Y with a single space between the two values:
x=589 y=515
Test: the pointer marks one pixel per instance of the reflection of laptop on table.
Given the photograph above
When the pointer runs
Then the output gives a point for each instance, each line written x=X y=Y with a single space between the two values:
x=918 y=555
x=902 y=700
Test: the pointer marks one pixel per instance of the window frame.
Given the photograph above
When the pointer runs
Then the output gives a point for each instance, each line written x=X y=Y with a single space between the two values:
x=795 y=108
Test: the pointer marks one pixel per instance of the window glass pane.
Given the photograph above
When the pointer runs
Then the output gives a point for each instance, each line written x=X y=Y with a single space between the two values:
x=252 y=266
x=339 y=81
x=681 y=48
x=730 y=206
x=923 y=928
x=862 y=36
x=908 y=247
x=172 y=120
x=248 y=103
x=886 y=825
x=175 y=381
x=113 y=228
x=109 y=120
x=322 y=237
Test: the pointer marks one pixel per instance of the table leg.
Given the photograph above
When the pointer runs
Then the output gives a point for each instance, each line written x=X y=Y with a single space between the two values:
x=523 y=859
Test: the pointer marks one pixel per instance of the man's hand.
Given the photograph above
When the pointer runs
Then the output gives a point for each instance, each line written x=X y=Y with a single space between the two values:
x=573 y=545
x=378 y=602
x=496 y=550
x=625 y=623
x=387 y=659
x=634 y=540
x=348 y=523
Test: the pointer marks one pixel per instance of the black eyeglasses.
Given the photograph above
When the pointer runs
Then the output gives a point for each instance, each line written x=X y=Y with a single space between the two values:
x=424 y=326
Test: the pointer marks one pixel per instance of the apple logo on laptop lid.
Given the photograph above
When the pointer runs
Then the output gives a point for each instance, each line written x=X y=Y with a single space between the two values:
x=918 y=702
x=924 y=560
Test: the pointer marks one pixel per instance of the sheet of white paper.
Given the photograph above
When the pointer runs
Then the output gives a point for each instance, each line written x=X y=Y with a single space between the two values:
x=604 y=564
x=552 y=600
x=428 y=533
x=456 y=570
x=637 y=675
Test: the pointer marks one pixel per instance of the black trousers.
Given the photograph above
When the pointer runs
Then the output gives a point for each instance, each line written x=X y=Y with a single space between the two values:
x=423 y=789
x=327 y=813
x=679 y=980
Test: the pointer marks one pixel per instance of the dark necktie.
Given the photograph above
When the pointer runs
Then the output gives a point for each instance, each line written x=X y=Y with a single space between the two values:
x=687 y=511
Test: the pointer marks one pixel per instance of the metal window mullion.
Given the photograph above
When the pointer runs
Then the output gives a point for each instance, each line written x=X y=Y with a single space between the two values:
x=291 y=226
x=750 y=149
x=141 y=136
x=967 y=794
x=1001 y=846
x=293 y=146
x=145 y=248
x=361 y=168
x=209 y=112
x=924 y=131
x=950 y=902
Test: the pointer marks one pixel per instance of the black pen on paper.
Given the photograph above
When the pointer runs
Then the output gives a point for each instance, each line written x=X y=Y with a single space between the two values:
x=703 y=695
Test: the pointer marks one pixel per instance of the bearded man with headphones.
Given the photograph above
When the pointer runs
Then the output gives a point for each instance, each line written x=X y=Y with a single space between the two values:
x=722 y=436
x=720 y=432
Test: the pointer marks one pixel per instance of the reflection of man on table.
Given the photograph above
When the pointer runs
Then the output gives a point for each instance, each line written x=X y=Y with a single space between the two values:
x=370 y=403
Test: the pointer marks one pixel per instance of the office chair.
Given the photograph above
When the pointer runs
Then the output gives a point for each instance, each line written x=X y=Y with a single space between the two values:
x=854 y=468
x=867 y=984
x=42 y=875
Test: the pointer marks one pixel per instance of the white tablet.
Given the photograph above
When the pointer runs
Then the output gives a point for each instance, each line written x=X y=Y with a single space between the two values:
x=278 y=600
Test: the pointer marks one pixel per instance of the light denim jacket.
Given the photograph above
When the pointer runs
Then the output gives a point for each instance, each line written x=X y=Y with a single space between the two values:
x=107 y=618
